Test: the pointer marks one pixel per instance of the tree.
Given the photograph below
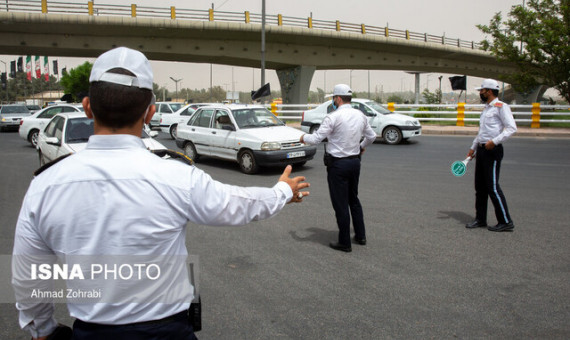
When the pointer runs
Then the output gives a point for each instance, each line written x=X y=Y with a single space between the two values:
x=76 y=81
x=536 y=38
x=432 y=97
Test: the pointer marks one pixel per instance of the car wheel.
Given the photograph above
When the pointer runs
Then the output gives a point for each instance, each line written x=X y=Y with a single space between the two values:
x=190 y=151
x=173 y=130
x=247 y=162
x=314 y=128
x=392 y=135
x=33 y=137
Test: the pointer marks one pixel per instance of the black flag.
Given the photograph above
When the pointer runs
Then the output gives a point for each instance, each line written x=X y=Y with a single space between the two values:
x=13 y=69
x=458 y=82
x=263 y=91
x=3 y=77
x=55 y=67
x=21 y=64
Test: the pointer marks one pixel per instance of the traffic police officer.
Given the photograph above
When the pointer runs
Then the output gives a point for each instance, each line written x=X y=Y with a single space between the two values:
x=116 y=199
x=496 y=125
x=345 y=129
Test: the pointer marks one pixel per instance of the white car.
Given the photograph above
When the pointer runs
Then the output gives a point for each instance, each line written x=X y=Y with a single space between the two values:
x=164 y=108
x=391 y=127
x=31 y=126
x=69 y=132
x=169 y=123
x=247 y=134
x=11 y=115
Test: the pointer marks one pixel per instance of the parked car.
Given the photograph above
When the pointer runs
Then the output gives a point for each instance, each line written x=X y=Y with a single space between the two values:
x=247 y=134
x=164 y=108
x=391 y=127
x=11 y=114
x=68 y=132
x=31 y=126
x=169 y=123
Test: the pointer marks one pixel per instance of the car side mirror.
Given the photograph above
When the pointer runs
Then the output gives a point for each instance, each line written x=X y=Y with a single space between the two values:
x=153 y=134
x=371 y=114
x=53 y=141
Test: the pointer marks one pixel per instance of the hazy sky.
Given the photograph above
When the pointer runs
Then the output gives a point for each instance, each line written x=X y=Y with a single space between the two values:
x=454 y=18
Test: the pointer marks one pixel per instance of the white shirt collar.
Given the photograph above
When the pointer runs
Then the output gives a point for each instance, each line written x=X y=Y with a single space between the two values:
x=115 y=142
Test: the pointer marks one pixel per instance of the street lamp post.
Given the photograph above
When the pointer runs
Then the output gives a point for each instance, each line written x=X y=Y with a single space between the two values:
x=176 y=82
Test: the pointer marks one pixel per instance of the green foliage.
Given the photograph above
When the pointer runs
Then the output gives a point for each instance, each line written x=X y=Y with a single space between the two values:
x=536 y=38
x=394 y=99
x=432 y=97
x=76 y=81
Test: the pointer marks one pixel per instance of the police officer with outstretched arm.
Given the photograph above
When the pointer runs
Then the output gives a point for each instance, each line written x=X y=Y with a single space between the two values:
x=116 y=199
x=348 y=134
x=496 y=125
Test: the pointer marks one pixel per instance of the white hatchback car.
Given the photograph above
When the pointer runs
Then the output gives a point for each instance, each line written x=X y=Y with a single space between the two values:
x=391 y=127
x=164 y=108
x=31 y=126
x=69 y=132
x=169 y=123
x=247 y=134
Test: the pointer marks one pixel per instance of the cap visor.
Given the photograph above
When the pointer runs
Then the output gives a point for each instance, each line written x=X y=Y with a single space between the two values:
x=478 y=88
x=329 y=96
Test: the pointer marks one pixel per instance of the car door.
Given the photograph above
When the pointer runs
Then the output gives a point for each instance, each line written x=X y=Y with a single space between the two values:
x=368 y=112
x=222 y=140
x=53 y=129
x=200 y=131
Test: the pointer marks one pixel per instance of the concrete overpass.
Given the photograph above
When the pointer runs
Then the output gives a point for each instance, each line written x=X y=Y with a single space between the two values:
x=294 y=52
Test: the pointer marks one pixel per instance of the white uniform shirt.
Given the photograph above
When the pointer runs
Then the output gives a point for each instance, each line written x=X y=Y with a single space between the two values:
x=344 y=129
x=117 y=198
x=496 y=124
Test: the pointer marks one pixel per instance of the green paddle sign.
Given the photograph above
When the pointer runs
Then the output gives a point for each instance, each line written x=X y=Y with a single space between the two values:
x=458 y=168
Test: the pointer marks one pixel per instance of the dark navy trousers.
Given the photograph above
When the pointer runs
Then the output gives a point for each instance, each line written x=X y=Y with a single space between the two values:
x=487 y=170
x=343 y=176
x=175 y=327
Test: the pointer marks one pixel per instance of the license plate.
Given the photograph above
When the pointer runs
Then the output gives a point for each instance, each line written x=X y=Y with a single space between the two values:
x=296 y=154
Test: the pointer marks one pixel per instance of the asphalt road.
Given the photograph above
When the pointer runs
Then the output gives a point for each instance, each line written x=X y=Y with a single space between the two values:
x=422 y=274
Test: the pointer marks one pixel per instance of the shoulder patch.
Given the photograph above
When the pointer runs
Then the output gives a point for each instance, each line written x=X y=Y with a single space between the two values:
x=498 y=104
x=173 y=155
x=49 y=164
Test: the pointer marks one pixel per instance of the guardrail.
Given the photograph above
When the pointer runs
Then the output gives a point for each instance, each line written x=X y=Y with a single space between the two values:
x=459 y=113
x=133 y=10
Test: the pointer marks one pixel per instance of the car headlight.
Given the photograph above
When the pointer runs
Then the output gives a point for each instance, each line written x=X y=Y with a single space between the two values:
x=409 y=122
x=269 y=146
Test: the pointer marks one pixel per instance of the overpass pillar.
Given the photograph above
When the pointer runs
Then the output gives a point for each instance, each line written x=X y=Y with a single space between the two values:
x=532 y=96
x=295 y=83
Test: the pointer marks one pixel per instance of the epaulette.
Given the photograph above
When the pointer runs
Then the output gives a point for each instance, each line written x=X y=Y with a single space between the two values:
x=174 y=155
x=49 y=164
x=498 y=104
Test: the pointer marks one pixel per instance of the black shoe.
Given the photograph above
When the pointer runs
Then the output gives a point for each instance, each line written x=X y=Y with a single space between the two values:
x=476 y=224
x=361 y=241
x=502 y=227
x=338 y=246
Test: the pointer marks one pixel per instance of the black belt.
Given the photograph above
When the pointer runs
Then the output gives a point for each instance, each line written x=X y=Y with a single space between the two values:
x=168 y=319
x=348 y=157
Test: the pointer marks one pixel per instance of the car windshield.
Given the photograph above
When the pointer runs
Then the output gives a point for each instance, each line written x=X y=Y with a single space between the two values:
x=377 y=107
x=15 y=109
x=255 y=117
x=177 y=106
x=78 y=130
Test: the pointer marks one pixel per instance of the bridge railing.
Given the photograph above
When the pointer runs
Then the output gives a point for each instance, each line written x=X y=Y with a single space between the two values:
x=133 y=10
x=534 y=114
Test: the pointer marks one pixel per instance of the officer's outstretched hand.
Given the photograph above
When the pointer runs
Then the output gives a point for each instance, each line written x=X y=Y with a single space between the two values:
x=296 y=184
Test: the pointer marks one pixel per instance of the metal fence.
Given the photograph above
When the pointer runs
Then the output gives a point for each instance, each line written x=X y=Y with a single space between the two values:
x=534 y=114
x=133 y=10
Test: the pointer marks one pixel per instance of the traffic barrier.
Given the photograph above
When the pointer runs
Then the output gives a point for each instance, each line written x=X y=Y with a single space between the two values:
x=457 y=112
x=460 y=114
